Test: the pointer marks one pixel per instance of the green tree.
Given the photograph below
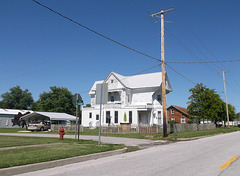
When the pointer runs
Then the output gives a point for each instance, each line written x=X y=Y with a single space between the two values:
x=58 y=99
x=205 y=103
x=223 y=113
x=88 y=105
x=16 y=98
x=125 y=117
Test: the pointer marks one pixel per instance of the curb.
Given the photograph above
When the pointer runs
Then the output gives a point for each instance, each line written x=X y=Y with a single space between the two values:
x=55 y=163
x=154 y=143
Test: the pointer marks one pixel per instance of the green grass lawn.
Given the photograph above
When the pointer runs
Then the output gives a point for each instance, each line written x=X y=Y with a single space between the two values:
x=12 y=141
x=11 y=130
x=68 y=148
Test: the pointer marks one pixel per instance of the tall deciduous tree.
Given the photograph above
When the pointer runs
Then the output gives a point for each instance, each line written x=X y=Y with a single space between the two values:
x=16 y=98
x=205 y=103
x=58 y=99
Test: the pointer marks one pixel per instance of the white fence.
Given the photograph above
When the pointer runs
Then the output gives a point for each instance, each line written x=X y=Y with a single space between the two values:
x=67 y=128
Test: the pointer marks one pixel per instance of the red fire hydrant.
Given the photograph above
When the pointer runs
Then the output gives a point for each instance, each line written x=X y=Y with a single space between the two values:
x=61 y=133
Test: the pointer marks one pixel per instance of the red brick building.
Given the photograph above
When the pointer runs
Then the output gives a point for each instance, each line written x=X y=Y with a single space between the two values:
x=178 y=114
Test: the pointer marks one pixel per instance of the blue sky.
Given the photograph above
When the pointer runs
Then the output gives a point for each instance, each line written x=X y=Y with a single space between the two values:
x=39 y=49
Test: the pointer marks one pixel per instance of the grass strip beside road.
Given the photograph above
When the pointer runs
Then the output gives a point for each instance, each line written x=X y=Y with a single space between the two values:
x=192 y=134
x=68 y=148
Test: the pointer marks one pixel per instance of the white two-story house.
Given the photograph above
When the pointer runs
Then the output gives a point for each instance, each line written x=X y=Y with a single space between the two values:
x=138 y=96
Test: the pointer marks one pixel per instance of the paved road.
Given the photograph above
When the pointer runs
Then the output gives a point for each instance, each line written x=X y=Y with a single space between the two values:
x=201 y=157
x=232 y=170
x=104 y=139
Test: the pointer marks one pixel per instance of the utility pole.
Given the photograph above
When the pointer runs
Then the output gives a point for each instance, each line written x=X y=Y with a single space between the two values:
x=163 y=70
x=223 y=72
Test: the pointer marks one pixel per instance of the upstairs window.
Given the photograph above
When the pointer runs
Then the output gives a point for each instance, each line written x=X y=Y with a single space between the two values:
x=172 y=111
x=90 y=115
x=97 y=117
x=111 y=80
x=112 y=98
x=159 y=98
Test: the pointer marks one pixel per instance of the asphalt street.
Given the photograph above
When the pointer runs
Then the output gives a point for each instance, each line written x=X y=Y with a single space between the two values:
x=202 y=157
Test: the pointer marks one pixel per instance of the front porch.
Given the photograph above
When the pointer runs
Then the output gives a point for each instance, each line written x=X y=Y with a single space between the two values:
x=144 y=117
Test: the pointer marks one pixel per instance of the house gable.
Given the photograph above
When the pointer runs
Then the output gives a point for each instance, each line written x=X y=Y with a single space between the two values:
x=114 y=82
x=177 y=114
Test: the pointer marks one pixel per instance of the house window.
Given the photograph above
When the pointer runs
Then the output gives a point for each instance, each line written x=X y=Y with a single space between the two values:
x=112 y=98
x=97 y=117
x=159 y=98
x=90 y=115
x=111 y=80
x=130 y=116
x=108 y=117
x=116 y=117
x=172 y=111
x=183 y=120
x=173 y=118
x=159 y=118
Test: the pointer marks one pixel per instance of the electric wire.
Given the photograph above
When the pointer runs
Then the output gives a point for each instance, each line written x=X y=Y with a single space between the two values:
x=141 y=72
x=149 y=13
x=95 y=32
x=191 y=53
x=129 y=76
x=202 y=43
x=98 y=33
x=179 y=73
x=207 y=62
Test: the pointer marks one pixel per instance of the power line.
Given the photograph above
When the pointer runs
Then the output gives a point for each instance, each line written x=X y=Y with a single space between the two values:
x=190 y=52
x=202 y=43
x=207 y=62
x=129 y=76
x=103 y=35
x=180 y=74
x=114 y=41
x=145 y=70
x=148 y=12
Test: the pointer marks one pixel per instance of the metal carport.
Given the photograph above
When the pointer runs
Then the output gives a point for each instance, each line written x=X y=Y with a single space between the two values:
x=48 y=116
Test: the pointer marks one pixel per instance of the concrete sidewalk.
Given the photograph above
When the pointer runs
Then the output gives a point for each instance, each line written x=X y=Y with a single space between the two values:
x=141 y=143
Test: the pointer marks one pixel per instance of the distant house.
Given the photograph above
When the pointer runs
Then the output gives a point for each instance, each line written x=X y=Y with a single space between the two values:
x=138 y=96
x=177 y=113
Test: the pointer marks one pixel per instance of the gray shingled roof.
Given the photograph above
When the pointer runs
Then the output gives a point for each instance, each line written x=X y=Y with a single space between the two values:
x=137 y=81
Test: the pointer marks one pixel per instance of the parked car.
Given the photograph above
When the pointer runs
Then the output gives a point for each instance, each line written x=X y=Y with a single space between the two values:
x=39 y=126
